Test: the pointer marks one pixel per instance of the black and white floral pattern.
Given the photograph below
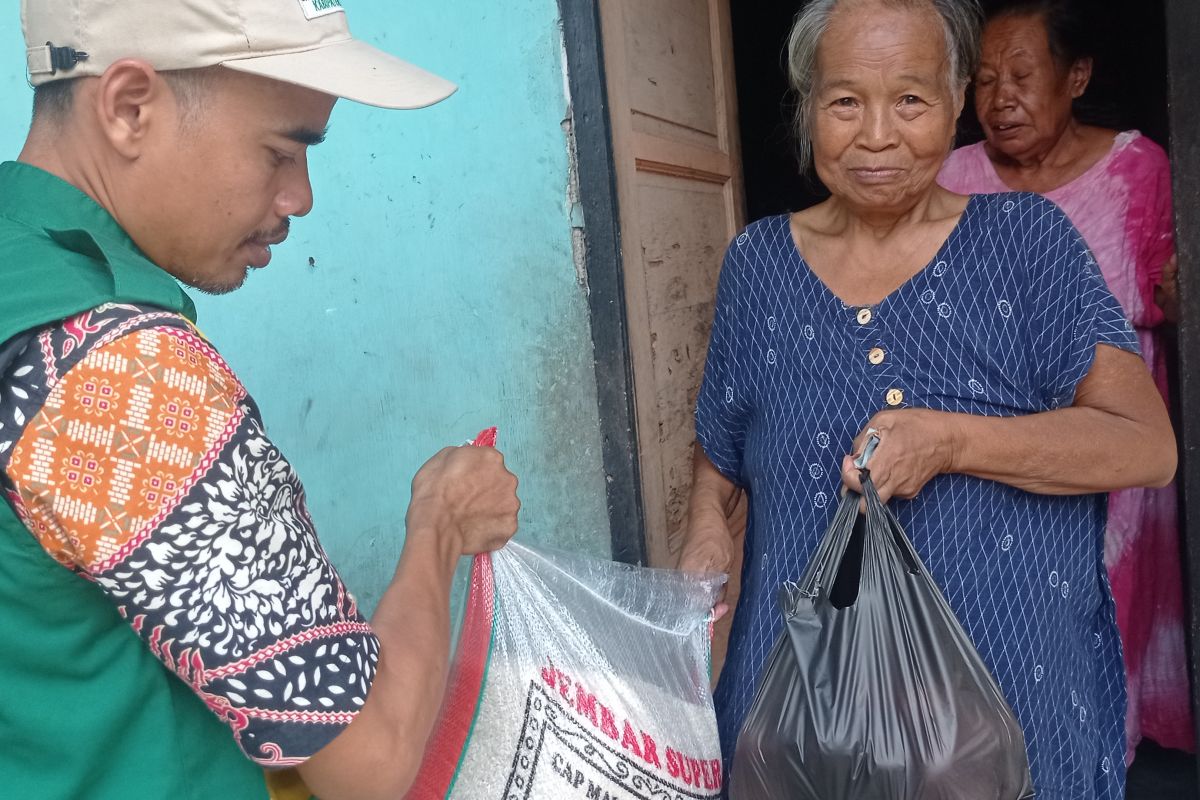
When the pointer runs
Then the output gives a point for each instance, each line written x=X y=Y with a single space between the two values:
x=22 y=391
x=237 y=562
x=231 y=589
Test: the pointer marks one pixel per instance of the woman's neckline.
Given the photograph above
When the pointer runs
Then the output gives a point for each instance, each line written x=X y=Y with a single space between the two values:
x=931 y=264
x=1119 y=140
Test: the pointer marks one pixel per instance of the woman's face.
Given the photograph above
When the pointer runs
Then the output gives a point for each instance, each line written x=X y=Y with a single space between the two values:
x=1022 y=95
x=883 y=107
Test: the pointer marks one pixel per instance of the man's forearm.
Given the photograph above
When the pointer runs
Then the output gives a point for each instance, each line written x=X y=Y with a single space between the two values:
x=380 y=752
x=413 y=617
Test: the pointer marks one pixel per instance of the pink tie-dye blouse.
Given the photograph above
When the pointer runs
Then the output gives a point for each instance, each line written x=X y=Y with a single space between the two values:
x=1122 y=207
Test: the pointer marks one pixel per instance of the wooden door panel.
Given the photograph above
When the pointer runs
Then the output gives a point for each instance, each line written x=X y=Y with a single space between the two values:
x=683 y=225
x=679 y=347
x=670 y=63
x=669 y=74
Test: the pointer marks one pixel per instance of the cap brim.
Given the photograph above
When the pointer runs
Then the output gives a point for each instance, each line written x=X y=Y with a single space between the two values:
x=353 y=70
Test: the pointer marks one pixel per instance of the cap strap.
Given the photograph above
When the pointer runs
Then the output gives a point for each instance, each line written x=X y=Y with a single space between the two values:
x=38 y=59
x=48 y=59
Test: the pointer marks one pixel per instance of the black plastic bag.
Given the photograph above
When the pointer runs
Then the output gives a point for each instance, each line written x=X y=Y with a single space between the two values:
x=874 y=691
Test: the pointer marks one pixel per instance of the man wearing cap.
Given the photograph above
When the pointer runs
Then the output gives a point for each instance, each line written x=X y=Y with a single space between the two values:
x=169 y=624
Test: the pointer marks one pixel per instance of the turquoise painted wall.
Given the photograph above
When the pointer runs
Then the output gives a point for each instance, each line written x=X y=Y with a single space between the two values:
x=431 y=293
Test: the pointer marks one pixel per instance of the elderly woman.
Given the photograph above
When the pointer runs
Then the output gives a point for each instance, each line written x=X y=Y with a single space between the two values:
x=1116 y=189
x=977 y=336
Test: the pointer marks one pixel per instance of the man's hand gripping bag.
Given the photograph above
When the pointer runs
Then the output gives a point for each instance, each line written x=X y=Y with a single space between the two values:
x=577 y=678
x=874 y=691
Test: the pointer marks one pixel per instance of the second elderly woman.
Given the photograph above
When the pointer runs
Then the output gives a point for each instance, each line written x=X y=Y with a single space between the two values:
x=1115 y=187
x=977 y=336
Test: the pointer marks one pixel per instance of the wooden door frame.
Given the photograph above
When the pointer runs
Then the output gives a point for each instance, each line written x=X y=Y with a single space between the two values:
x=597 y=179
x=1183 y=19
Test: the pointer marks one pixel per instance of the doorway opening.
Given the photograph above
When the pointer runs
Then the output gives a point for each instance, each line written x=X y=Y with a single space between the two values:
x=1129 y=90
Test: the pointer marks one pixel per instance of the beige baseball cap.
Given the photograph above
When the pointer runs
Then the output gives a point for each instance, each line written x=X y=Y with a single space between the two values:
x=305 y=42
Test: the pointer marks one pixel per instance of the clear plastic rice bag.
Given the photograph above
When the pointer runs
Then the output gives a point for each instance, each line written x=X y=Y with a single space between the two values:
x=576 y=677
x=874 y=691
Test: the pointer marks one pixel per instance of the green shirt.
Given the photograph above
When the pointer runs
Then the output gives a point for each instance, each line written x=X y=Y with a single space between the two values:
x=85 y=709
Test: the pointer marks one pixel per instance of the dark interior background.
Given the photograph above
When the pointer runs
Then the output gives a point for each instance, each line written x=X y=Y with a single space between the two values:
x=1128 y=90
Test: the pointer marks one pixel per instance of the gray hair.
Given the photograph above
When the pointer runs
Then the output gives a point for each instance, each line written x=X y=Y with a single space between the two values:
x=961 y=23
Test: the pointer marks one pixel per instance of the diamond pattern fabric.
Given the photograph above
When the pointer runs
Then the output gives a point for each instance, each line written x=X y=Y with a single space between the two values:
x=1004 y=321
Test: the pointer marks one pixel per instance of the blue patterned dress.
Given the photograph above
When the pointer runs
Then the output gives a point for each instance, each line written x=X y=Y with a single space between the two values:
x=1004 y=321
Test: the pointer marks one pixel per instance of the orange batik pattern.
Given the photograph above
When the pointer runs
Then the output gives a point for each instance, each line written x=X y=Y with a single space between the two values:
x=120 y=439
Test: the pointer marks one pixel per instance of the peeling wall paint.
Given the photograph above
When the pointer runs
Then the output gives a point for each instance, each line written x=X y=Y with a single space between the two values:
x=433 y=291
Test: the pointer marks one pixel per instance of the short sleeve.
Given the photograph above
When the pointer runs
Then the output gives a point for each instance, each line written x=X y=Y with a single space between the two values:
x=1151 y=221
x=724 y=404
x=147 y=470
x=1072 y=310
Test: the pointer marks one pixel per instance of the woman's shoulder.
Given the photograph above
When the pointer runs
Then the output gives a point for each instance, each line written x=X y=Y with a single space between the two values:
x=969 y=156
x=967 y=170
x=1134 y=150
x=763 y=238
x=1013 y=209
x=1019 y=228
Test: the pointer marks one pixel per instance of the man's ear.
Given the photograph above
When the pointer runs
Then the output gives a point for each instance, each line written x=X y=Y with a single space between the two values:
x=131 y=98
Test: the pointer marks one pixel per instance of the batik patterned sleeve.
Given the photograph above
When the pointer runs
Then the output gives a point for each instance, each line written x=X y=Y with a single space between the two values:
x=723 y=405
x=143 y=466
x=1071 y=309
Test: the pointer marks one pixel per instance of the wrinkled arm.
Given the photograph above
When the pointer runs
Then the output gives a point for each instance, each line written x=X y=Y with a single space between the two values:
x=708 y=546
x=1116 y=435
